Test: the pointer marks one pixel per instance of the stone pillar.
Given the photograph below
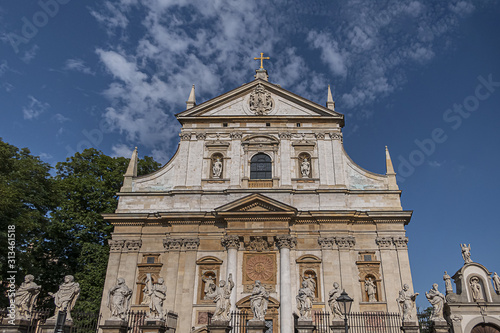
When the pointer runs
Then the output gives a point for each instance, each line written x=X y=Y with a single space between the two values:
x=50 y=325
x=114 y=326
x=235 y=173
x=115 y=250
x=390 y=268
x=232 y=243
x=285 y=243
x=285 y=158
x=256 y=326
x=410 y=327
x=186 y=288
x=330 y=263
x=439 y=326
x=338 y=325
x=345 y=245
x=323 y=178
x=171 y=322
x=219 y=327
x=182 y=159
x=15 y=326
x=153 y=326
x=305 y=326
x=338 y=159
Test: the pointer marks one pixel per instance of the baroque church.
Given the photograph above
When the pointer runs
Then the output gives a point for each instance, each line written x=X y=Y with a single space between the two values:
x=261 y=188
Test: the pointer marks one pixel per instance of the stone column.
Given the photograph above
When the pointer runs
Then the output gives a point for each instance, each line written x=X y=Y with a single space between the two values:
x=285 y=243
x=182 y=159
x=114 y=326
x=390 y=270
x=338 y=159
x=286 y=168
x=232 y=243
x=323 y=178
x=190 y=246
x=115 y=250
x=345 y=245
x=305 y=326
x=410 y=327
x=235 y=174
x=173 y=247
x=256 y=326
x=330 y=264
x=14 y=325
x=439 y=326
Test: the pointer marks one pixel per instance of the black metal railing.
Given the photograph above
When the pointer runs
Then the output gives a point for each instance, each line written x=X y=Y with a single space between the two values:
x=374 y=322
x=239 y=321
x=322 y=322
x=135 y=319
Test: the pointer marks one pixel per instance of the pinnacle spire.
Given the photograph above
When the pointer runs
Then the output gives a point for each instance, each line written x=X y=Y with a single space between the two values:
x=330 y=104
x=131 y=172
x=191 y=100
x=390 y=171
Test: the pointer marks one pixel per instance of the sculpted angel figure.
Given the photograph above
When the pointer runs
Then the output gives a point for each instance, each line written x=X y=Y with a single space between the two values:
x=466 y=253
x=65 y=298
x=119 y=299
x=26 y=297
x=437 y=300
x=304 y=301
x=222 y=299
x=406 y=301
x=259 y=301
x=371 y=290
x=332 y=300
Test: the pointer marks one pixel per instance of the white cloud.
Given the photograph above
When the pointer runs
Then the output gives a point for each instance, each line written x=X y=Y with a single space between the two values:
x=30 y=54
x=122 y=150
x=78 y=65
x=60 y=118
x=34 y=108
x=4 y=67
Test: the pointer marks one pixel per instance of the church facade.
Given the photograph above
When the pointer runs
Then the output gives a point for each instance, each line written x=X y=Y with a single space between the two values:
x=261 y=188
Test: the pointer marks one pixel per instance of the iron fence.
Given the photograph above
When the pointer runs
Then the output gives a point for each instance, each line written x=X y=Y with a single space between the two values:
x=374 y=322
x=135 y=319
x=321 y=322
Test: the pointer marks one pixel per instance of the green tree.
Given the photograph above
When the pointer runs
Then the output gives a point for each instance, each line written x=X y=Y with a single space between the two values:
x=87 y=185
x=27 y=198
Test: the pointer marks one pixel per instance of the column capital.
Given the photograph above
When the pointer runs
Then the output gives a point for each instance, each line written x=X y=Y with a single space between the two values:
x=191 y=244
x=230 y=242
x=384 y=243
x=401 y=242
x=345 y=242
x=326 y=243
x=115 y=245
x=172 y=244
x=236 y=135
x=285 y=241
x=133 y=245
x=285 y=135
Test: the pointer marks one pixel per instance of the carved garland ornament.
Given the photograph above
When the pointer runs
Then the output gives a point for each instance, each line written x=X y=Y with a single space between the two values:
x=260 y=102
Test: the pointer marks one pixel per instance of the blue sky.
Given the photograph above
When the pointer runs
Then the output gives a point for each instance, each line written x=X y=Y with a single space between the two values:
x=422 y=77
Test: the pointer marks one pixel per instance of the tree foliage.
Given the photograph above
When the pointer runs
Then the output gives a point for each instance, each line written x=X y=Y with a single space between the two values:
x=68 y=234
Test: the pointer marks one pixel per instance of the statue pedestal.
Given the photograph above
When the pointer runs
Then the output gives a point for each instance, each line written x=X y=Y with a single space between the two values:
x=153 y=326
x=219 y=327
x=256 y=326
x=338 y=326
x=50 y=325
x=439 y=326
x=410 y=327
x=305 y=326
x=114 y=326
x=14 y=325
x=171 y=322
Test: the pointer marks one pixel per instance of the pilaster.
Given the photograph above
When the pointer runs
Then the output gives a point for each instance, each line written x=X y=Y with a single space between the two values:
x=284 y=244
x=232 y=244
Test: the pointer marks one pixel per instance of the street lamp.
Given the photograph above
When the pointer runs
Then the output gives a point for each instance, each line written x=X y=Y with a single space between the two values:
x=345 y=305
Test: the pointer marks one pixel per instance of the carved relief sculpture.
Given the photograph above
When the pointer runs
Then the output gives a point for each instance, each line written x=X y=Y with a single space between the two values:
x=406 y=301
x=332 y=301
x=119 y=300
x=259 y=301
x=371 y=290
x=260 y=102
x=477 y=290
x=436 y=299
x=496 y=282
x=447 y=283
x=65 y=298
x=304 y=302
x=466 y=253
x=25 y=298
x=222 y=300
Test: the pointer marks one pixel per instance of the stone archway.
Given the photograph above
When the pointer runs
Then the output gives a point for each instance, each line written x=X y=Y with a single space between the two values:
x=485 y=328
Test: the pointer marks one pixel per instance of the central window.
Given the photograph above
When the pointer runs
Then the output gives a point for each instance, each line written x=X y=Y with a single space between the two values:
x=260 y=167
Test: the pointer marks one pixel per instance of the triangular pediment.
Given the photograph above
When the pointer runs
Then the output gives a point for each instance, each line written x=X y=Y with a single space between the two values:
x=257 y=99
x=256 y=203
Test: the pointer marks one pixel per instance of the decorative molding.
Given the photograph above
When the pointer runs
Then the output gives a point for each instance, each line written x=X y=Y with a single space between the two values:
x=181 y=244
x=336 y=136
x=236 y=135
x=260 y=102
x=285 y=136
x=270 y=288
x=191 y=244
x=185 y=136
x=384 y=242
x=115 y=245
x=456 y=318
x=346 y=242
x=320 y=136
x=400 y=242
x=326 y=243
x=285 y=241
x=133 y=245
x=201 y=136
x=231 y=242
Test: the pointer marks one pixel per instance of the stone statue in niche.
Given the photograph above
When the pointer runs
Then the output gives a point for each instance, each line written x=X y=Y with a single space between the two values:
x=466 y=253
x=209 y=286
x=332 y=301
x=477 y=290
x=406 y=301
x=65 y=298
x=217 y=168
x=496 y=282
x=304 y=301
x=447 y=283
x=305 y=168
x=371 y=290
x=311 y=283
x=119 y=300
x=157 y=293
x=258 y=301
x=25 y=297
x=437 y=300
x=222 y=299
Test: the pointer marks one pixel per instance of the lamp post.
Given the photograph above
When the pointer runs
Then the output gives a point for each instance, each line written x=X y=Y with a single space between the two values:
x=345 y=305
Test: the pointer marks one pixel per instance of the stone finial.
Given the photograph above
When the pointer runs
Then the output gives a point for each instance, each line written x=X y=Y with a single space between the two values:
x=131 y=172
x=330 y=104
x=391 y=175
x=191 y=100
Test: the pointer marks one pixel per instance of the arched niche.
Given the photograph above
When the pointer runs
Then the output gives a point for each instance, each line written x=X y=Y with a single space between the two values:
x=208 y=272
x=309 y=271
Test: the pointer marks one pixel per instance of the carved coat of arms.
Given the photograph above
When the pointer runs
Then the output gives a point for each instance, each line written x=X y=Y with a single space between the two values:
x=260 y=102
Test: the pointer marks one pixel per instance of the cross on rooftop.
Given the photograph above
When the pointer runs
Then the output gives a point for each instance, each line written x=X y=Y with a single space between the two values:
x=262 y=58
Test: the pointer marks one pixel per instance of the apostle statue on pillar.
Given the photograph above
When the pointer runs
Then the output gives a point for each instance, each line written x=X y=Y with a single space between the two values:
x=119 y=299
x=65 y=298
x=332 y=301
x=157 y=293
x=222 y=299
x=26 y=297
x=406 y=301
x=304 y=301
x=437 y=300
x=258 y=301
